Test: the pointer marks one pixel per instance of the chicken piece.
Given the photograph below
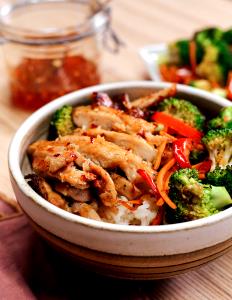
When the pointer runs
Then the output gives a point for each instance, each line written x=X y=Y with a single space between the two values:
x=104 y=184
x=76 y=194
x=76 y=178
x=110 y=119
x=156 y=140
x=88 y=117
x=125 y=187
x=154 y=98
x=110 y=156
x=40 y=186
x=44 y=156
x=51 y=157
x=69 y=173
x=137 y=144
x=85 y=210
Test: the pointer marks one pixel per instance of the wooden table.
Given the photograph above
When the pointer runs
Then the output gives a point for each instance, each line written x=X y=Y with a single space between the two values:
x=139 y=23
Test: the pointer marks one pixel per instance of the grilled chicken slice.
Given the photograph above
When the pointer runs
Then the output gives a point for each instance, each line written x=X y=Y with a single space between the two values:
x=76 y=194
x=55 y=160
x=137 y=144
x=85 y=210
x=154 y=98
x=125 y=187
x=110 y=119
x=39 y=185
x=43 y=155
x=104 y=184
x=156 y=140
x=76 y=178
x=50 y=157
x=109 y=155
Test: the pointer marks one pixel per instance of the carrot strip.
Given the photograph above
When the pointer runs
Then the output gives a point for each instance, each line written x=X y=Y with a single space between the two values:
x=124 y=203
x=201 y=176
x=192 y=55
x=164 y=72
x=164 y=133
x=159 y=154
x=168 y=200
x=166 y=180
x=136 y=201
x=159 y=217
x=160 y=202
x=160 y=182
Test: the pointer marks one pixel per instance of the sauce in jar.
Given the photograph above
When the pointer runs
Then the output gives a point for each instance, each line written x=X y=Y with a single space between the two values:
x=51 y=47
x=35 y=82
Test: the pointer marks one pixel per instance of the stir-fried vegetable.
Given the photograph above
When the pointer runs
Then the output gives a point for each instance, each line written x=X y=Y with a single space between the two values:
x=223 y=120
x=181 y=148
x=207 y=59
x=221 y=177
x=61 y=123
x=143 y=162
x=177 y=125
x=193 y=199
x=219 y=144
x=183 y=110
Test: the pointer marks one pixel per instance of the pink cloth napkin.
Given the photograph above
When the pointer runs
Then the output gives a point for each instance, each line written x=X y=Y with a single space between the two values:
x=31 y=269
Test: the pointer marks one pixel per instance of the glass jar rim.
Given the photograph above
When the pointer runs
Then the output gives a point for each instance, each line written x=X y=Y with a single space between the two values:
x=98 y=21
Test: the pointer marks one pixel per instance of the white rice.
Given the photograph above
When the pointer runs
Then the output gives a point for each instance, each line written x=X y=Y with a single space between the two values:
x=143 y=215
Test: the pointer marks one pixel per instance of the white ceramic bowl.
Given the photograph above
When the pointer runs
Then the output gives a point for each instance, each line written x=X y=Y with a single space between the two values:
x=119 y=250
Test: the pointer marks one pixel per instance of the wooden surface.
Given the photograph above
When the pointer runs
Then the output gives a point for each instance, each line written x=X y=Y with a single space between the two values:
x=139 y=23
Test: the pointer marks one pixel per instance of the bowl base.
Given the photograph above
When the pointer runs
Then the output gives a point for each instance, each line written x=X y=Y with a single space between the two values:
x=134 y=268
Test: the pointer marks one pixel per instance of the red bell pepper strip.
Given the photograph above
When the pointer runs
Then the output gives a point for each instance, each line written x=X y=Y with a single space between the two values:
x=149 y=181
x=176 y=124
x=181 y=148
x=229 y=86
x=203 y=167
x=159 y=217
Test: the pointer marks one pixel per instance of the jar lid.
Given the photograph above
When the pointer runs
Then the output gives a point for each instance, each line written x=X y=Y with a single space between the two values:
x=51 y=21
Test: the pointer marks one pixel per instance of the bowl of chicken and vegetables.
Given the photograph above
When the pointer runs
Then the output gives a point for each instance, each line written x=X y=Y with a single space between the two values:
x=134 y=179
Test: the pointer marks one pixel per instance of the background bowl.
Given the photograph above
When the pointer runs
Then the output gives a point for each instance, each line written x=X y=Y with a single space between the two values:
x=136 y=252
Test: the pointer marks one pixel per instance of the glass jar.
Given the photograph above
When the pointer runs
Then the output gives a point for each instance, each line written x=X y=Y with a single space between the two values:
x=51 y=47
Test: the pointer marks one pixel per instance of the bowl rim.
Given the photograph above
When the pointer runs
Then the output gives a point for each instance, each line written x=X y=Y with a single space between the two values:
x=36 y=117
x=150 y=55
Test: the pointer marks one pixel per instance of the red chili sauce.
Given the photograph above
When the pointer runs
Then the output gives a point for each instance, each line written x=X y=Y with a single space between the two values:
x=35 y=82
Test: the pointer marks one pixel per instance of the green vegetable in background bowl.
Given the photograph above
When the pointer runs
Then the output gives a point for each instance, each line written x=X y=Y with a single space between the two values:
x=203 y=61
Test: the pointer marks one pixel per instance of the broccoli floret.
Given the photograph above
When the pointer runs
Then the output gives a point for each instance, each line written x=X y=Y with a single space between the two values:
x=223 y=120
x=179 y=53
x=219 y=92
x=221 y=177
x=206 y=35
x=193 y=199
x=227 y=36
x=197 y=155
x=224 y=57
x=219 y=145
x=202 y=84
x=61 y=123
x=183 y=110
x=210 y=68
